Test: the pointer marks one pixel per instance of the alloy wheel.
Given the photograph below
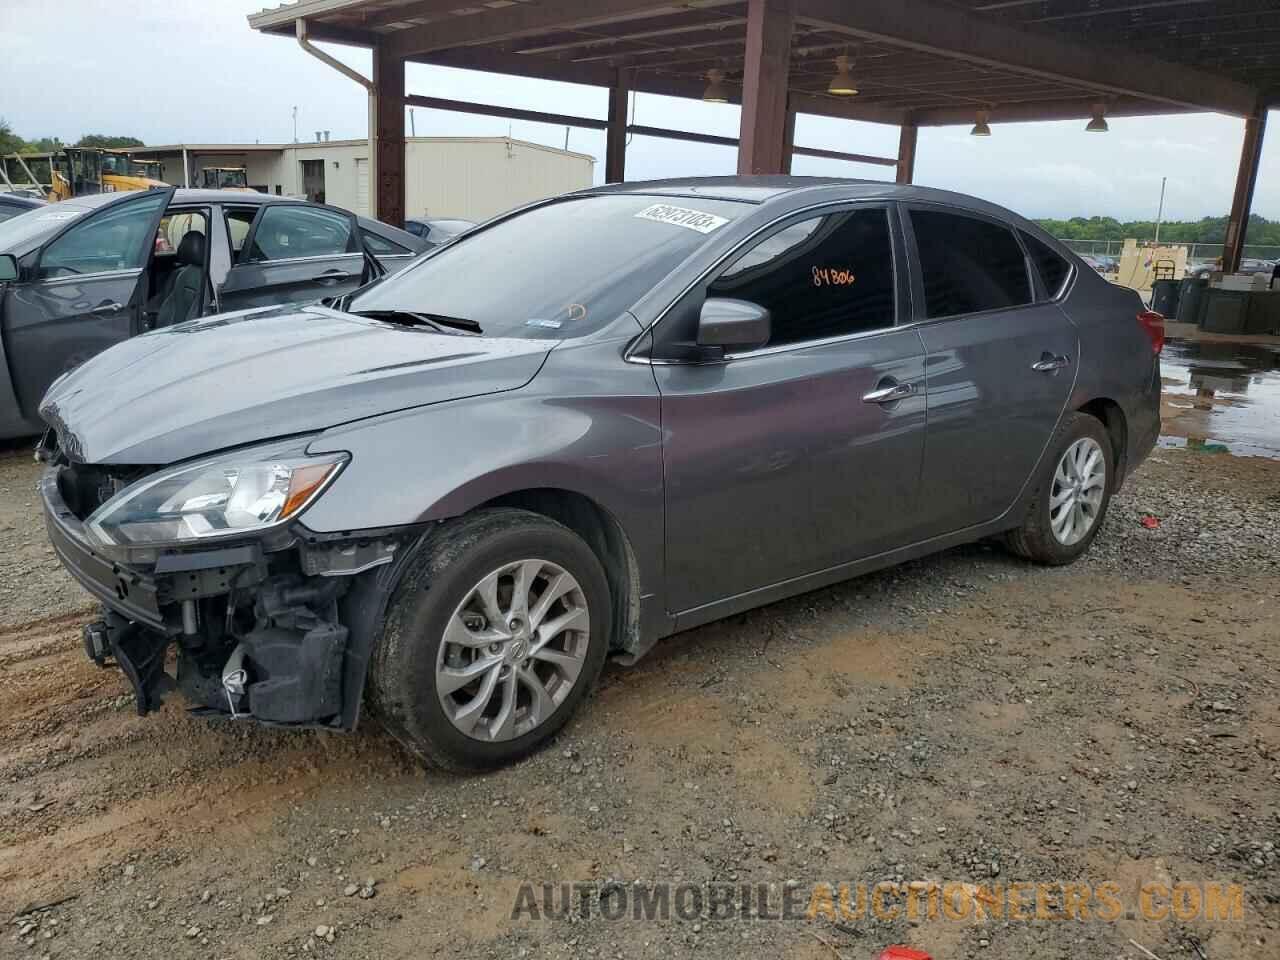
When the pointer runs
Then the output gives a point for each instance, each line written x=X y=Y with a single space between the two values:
x=1079 y=486
x=513 y=650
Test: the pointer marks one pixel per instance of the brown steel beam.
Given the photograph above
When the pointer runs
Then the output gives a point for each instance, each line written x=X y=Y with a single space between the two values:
x=764 y=86
x=615 y=140
x=388 y=81
x=1037 y=110
x=949 y=31
x=519 y=65
x=1255 y=130
x=529 y=20
x=907 y=152
x=788 y=137
x=688 y=136
x=507 y=113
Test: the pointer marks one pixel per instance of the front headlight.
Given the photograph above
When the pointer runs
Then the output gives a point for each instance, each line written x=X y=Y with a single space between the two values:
x=237 y=494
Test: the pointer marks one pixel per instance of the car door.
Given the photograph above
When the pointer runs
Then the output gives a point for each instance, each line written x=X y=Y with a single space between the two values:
x=81 y=292
x=294 y=252
x=1000 y=364
x=794 y=457
x=394 y=256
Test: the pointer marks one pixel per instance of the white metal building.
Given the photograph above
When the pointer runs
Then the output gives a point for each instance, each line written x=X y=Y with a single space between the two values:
x=471 y=178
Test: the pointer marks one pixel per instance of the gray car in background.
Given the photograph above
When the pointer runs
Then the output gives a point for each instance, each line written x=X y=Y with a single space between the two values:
x=582 y=427
x=81 y=275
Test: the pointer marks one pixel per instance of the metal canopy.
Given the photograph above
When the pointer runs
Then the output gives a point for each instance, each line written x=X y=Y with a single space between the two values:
x=915 y=63
x=923 y=60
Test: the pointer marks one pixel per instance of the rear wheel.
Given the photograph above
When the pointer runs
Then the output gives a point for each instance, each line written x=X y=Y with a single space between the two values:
x=492 y=639
x=1071 y=499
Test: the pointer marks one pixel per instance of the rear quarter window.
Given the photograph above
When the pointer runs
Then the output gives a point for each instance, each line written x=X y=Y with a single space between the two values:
x=1054 y=268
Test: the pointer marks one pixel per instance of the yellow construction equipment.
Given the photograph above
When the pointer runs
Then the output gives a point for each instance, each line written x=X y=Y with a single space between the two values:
x=77 y=171
x=225 y=178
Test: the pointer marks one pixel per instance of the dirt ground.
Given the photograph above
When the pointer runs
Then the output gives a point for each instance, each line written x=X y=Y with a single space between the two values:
x=964 y=718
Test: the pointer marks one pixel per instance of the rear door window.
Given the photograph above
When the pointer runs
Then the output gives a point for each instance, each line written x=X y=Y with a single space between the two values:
x=968 y=265
x=289 y=232
x=823 y=277
x=1053 y=267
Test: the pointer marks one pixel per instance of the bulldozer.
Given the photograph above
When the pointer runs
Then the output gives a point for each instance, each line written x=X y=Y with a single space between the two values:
x=225 y=178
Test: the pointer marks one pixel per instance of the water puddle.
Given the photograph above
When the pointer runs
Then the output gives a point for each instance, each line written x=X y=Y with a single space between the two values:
x=1221 y=397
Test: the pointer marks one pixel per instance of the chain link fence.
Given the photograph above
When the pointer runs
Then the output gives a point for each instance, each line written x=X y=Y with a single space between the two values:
x=1196 y=252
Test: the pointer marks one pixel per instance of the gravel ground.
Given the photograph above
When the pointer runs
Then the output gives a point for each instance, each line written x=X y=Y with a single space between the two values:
x=964 y=718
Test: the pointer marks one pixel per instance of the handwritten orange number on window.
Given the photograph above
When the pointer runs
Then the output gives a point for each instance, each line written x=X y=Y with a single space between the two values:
x=832 y=277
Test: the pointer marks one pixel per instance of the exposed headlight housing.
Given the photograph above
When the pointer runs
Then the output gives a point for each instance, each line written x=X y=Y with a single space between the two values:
x=240 y=493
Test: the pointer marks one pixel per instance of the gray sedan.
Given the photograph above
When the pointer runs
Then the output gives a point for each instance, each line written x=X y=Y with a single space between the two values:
x=582 y=427
x=83 y=274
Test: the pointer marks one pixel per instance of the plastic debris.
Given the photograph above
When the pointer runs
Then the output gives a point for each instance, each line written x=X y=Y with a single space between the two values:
x=903 y=953
x=1150 y=522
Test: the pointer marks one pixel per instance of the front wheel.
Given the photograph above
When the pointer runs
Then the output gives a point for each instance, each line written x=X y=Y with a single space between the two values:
x=1071 y=500
x=492 y=639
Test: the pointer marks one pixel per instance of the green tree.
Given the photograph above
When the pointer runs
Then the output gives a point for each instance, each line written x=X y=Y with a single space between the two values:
x=102 y=140
x=10 y=142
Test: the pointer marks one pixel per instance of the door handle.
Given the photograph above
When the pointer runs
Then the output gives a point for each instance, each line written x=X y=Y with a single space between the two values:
x=332 y=276
x=891 y=393
x=1048 y=362
x=107 y=308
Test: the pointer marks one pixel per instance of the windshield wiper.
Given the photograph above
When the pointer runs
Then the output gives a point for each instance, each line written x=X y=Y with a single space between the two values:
x=437 y=321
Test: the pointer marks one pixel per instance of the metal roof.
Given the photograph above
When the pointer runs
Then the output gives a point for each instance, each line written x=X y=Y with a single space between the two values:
x=926 y=60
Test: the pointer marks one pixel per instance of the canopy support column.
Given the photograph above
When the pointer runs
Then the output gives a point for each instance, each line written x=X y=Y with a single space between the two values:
x=764 y=86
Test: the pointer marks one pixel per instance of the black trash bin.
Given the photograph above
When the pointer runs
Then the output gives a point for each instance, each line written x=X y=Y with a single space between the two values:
x=1164 y=297
x=1191 y=299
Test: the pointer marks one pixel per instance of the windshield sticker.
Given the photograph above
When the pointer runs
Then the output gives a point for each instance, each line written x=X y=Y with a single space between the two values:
x=682 y=217
x=550 y=324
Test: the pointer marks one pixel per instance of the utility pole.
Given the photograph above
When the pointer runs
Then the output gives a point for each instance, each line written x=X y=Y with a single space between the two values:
x=295 y=124
x=1160 y=214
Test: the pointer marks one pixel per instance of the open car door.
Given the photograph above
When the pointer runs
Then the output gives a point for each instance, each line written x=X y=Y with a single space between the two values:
x=294 y=253
x=81 y=292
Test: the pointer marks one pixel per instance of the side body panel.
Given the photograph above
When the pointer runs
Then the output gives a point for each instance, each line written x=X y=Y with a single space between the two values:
x=587 y=424
x=1117 y=361
x=776 y=468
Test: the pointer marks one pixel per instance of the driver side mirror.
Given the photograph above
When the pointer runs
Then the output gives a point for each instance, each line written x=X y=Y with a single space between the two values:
x=8 y=268
x=733 y=325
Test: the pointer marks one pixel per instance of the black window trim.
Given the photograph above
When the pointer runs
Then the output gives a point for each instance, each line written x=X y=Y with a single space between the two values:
x=1072 y=270
x=639 y=350
x=920 y=314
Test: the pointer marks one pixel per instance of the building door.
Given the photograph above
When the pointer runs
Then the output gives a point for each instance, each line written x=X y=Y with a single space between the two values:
x=362 y=187
x=313 y=180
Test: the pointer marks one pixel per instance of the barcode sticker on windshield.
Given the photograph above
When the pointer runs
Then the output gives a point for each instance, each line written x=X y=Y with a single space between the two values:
x=682 y=217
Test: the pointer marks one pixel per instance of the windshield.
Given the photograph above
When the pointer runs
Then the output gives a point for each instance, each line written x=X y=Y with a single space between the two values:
x=560 y=270
x=28 y=230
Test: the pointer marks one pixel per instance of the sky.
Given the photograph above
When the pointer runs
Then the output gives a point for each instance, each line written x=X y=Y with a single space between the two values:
x=171 y=71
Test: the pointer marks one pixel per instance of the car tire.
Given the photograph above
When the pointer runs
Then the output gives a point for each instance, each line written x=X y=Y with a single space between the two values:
x=455 y=615
x=1067 y=511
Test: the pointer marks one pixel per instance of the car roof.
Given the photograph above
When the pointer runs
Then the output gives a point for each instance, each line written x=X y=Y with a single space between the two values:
x=790 y=192
x=18 y=200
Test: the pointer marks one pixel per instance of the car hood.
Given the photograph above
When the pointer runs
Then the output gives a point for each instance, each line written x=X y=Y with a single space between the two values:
x=255 y=375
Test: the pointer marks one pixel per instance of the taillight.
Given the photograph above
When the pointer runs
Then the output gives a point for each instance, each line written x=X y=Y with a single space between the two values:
x=1153 y=324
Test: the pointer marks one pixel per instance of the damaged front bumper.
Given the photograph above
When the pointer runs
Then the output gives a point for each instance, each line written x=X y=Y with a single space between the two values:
x=279 y=634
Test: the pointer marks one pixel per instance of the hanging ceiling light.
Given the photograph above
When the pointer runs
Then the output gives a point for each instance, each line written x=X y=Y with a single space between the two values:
x=842 y=84
x=716 y=91
x=1099 y=122
x=982 y=124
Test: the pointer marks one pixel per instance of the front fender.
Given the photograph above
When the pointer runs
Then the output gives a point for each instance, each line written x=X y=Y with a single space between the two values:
x=588 y=423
